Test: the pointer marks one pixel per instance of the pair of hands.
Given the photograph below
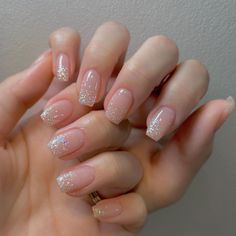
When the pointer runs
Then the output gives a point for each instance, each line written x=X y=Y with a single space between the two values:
x=94 y=148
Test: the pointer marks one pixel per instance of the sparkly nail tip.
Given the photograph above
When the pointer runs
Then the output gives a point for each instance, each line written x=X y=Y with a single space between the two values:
x=114 y=114
x=106 y=210
x=65 y=182
x=51 y=116
x=59 y=145
x=97 y=212
x=160 y=123
x=87 y=99
x=153 y=130
x=62 y=73
x=89 y=88
x=119 y=106
x=231 y=103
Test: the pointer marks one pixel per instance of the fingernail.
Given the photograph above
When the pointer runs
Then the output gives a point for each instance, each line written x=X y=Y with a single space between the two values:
x=89 y=88
x=119 y=105
x=160 y=123
x=62 y=67
x=231 y=103
x=228 y=111
x=66 y=143
x=107 y=209
x=57 y=112
x=40 y=58
x=76 y=179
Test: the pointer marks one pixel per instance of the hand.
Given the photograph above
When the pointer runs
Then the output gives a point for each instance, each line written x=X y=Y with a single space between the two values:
x=156 y=175
x=31 y=203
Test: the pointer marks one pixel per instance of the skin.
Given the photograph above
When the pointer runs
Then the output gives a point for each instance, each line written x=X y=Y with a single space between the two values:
x=156 y=176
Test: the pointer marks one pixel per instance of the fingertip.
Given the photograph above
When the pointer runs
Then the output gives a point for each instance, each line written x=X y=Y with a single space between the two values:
x=65 y=43
x=128 y=210
x=231 y=104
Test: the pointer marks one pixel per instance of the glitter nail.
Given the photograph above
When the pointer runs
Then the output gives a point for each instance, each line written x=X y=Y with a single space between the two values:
x=65 y=181
x=59 y=145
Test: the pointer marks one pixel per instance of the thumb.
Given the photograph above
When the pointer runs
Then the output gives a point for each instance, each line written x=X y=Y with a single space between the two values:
x=19 y=92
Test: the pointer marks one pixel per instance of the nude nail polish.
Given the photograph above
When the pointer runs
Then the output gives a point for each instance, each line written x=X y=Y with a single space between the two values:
x=66 y=142
x=119 y=105
x=57 y=112
x=62 y=67
x=76 y=179
x=89 y=88
x=107 y=210
x=160 y=123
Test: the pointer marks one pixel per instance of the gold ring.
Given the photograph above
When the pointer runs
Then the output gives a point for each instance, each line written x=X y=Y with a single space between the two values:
x=95 y=197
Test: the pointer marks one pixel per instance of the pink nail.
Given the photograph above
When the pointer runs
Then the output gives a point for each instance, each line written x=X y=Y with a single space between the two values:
x=76 y=179
x=57 y=112
x=89 y=88
x=107 y=209
x=66 y=143
x=62 y=67
x=160 y=123
x=119 y=105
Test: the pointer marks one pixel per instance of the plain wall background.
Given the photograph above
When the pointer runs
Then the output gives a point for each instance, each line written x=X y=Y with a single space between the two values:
x=203 y=29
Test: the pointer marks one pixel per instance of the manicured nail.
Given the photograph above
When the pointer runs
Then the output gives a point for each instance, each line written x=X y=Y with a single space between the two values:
x=231 y=103
x=228 y=111
x=62 y=67
x=76 y=179
x=57 y=112
x=107 y=209
x=66 y=143
x=89 y=88
x=160 y=123
x=119 y=105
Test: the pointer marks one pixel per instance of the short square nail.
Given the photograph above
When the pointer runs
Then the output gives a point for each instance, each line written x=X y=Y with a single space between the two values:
x=57 y=112
x=107 y=210
x=76 y=179
x=160 y=123
x=62 y=67
x=89 y=88
x=66 y=142
x=119 y=105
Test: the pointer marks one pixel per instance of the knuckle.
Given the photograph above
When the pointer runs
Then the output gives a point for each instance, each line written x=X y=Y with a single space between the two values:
x=117 y=26
x=198 y=66
x=111 y=160
x=97 y=49
x=134 y=70
x=63 y=34
x=98 y=117
x=171 y=193
x=199 y=69
x=165 y=43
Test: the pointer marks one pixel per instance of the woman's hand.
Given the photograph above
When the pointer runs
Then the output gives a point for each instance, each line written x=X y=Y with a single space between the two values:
x=149 y=175
x=30 y=200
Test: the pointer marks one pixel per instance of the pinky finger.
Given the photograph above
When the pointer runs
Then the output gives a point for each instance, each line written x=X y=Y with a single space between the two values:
x=127 y=210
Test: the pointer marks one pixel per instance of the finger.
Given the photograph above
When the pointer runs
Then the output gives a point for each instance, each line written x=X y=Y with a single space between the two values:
x=21 y=91
x=174 y=168
x=101 y=56
x=65 y=44
x=152 y=62
x=90 y=134
x=178 y=98
x=127 y=210
x=110 y=173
